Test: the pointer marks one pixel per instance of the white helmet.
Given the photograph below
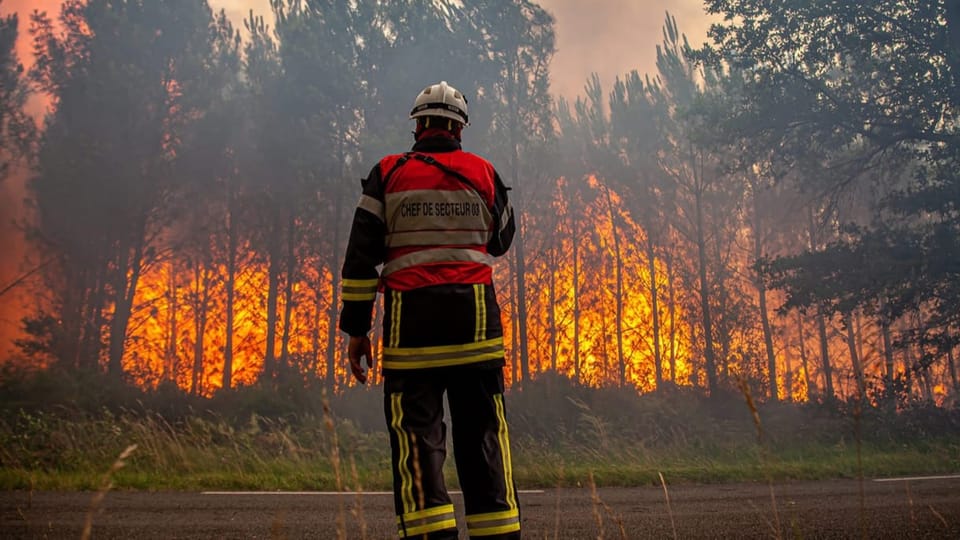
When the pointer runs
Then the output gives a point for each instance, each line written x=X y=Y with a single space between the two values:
x=441 y=100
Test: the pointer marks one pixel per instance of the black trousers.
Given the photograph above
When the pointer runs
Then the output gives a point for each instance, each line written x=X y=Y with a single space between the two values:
x=413 y=406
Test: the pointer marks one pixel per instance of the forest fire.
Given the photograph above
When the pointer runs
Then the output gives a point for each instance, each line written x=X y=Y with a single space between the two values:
x=575 y=324
x=643 y=261
x=176 y=305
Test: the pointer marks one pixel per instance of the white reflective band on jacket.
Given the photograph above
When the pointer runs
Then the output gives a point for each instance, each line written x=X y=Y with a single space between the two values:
x=371 y=205
x=435 y=256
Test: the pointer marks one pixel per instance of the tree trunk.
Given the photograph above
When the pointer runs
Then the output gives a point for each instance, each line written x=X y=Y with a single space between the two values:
x=723 y=316
x=762 y=296
x=709 y=356
x=273 y=292
x=811 y=387
x=522 y=303
x=291 y=272
x=848 y=321
x=126 y=290
x=72 y=320
x=91 y=323
x=953 y=49
x=315 y=330
x=655 y=308
x=575 y=241
x=552 y=308
x=952 y=366
x=672 y=307
x=888 y=360
x=230 y=286
x=170 y=358
x=618 y=293
x=201 y=294
x=332 y=311
x=825 y=358
x=821 y=322
x=787 y=366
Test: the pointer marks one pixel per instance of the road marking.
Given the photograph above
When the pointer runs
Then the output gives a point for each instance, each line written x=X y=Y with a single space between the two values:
x=916 y=478
x=335 y=493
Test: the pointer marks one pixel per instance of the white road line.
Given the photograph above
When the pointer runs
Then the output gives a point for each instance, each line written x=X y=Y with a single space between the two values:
x=333 y=493
x=917 y=478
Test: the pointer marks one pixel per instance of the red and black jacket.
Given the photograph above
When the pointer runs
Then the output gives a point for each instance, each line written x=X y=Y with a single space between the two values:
x=426 y=229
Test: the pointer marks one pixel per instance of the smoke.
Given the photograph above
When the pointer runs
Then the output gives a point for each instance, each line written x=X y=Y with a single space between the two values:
x=14 y=303
x=609 y=37
x=613 y=37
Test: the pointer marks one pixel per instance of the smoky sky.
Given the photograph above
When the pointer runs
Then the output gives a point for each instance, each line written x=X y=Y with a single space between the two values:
x=609 y=37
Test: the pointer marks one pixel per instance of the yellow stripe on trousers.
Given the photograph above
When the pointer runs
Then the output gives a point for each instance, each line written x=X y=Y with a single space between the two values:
x=476 y=305
x=406 y=477
x=481 y=323
x=395 y=320
x=503 y=437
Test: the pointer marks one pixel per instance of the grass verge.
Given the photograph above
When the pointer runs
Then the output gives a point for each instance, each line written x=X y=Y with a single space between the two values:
x=268 y=455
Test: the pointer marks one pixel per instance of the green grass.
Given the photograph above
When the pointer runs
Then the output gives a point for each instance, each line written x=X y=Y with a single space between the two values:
x=562 y=435
x=45 y=452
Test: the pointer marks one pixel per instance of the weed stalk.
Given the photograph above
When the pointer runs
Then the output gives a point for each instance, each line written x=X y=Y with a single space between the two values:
x=105 y=486
x=666 y=495
x=764 y=458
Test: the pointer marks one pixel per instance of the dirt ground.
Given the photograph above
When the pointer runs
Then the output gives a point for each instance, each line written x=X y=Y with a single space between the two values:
x=831 y=509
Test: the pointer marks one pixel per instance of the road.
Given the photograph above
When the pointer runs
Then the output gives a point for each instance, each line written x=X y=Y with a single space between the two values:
x=928 y=508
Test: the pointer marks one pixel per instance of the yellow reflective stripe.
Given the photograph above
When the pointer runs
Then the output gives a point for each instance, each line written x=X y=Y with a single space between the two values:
x=421 y=364
x=371 y=205
x=361 y=283
x=406 y=477
x=493 y=516
x=444 y=349
x=359 y=290
x=431 y=527
x=426 y=513
x=442 y=355
x=503 y=437
x=477 y=301
x=493 y=523
x=395 y=320
x=482 y=302
x=490 y=531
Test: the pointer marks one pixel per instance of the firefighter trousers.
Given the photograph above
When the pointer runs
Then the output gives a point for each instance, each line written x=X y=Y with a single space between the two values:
x=413 y=407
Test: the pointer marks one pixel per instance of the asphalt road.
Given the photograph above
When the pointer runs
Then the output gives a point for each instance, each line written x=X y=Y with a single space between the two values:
x=831 y=509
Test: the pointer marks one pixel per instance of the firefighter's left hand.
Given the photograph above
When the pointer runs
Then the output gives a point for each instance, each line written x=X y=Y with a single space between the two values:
x=359 y=347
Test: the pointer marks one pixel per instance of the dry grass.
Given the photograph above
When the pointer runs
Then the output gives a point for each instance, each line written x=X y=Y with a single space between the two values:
x=598 y=505
x=105 y=486
x=764 y=457
x=666 y=495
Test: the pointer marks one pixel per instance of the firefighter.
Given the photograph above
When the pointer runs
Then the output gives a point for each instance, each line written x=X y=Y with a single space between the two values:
x=434 y=218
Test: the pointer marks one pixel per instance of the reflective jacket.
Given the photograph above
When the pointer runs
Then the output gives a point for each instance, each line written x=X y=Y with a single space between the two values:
x=431 y=221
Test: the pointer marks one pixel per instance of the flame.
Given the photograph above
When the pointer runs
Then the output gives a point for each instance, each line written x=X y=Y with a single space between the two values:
x=551 y=261
x=164 y=330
